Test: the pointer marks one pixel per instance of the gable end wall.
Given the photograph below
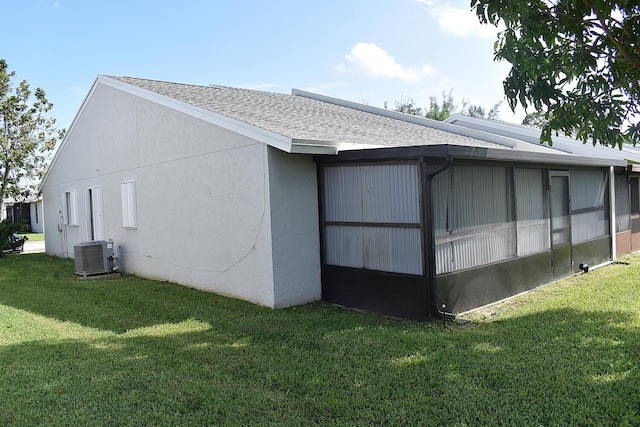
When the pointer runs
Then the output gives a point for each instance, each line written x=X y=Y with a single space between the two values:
x=202 y=195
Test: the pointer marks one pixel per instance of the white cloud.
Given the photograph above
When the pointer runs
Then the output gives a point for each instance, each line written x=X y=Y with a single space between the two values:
x=369 y=60
x=459 y=22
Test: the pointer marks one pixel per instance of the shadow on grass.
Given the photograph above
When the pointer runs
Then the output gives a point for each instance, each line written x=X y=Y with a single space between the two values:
x=47 y=286
x=165 y=354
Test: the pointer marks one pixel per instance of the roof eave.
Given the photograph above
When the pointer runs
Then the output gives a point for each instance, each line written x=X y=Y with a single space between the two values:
x=462 y=152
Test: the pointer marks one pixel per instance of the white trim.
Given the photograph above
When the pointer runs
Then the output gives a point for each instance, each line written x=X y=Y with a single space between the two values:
x=494 y=138
x=562 y=144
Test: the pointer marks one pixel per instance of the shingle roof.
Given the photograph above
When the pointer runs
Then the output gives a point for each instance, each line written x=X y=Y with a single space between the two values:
x=302 y=118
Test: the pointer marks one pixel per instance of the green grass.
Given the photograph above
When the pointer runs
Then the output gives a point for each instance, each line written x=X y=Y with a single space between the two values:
x=33 y=237
x=138 y=352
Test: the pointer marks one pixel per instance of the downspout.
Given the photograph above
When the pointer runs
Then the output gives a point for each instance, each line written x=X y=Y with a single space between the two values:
x=612 y=213
x=431 y=240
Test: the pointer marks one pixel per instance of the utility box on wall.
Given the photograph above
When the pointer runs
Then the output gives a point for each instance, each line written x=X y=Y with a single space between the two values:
x=93 y=258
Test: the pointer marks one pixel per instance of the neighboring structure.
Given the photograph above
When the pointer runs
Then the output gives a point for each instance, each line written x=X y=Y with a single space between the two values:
x=29 y=211
x=285 y=199
x=626 y=228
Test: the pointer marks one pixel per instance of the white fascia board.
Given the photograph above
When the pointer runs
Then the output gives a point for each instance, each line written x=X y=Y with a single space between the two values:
x=312 y=149
x=422 y=121
x=308 y=146
x=262 y=135
x=563 y=144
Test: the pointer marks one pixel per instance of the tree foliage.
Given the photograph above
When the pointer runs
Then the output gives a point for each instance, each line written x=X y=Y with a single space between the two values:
x=441 y=110
x=445 y=108
x=7 y=229
x=578 y=60
x=27 y=135
x=408 y=107
x=536 y=119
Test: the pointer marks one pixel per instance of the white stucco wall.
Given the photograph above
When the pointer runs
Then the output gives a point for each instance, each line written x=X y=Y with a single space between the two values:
x=294 y=228
x=202 y=195
x=37 y=221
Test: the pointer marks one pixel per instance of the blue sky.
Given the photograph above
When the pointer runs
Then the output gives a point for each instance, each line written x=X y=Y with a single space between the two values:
x=368 y=51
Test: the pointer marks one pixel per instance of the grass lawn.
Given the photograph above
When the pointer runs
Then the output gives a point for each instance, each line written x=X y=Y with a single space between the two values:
x=34 y=237
x=138 y=352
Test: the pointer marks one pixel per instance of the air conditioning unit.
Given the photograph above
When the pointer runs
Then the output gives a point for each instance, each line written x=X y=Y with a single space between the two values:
x=93 y=258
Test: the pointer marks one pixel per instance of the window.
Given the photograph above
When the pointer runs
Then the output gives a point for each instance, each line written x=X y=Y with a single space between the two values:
x=70 y=208
x=129 y=212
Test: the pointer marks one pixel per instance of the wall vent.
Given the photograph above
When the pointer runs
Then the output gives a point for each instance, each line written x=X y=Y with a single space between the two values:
x=93 y=258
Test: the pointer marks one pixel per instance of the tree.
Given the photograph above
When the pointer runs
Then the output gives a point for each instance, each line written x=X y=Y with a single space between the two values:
x=27 y=135
x=448 y=106
x=577 y=59
x=535 y=119
x=440 y=111
x=408 y=107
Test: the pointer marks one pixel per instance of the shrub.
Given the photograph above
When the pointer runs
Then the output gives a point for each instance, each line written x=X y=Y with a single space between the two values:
x=7 y=229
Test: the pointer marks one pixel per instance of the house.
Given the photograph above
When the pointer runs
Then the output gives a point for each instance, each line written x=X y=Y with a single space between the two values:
x=284 y=199
x=29 y=211
x=626 y=235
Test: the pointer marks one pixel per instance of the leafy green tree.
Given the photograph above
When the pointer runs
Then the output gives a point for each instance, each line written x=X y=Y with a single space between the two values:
x=27 y=135
x=536 y=119
x=478 y=111
x=448 y=106
x=408 y=107
x=442 y=110
x=577 y=59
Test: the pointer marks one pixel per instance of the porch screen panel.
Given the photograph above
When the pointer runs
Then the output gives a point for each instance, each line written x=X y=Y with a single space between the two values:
x=343 y=193
x=374 y=248
x=634 y=189
x=472 y=217
x=622 y=202
x=532 y=221
x=372 y=217
x=589 y=216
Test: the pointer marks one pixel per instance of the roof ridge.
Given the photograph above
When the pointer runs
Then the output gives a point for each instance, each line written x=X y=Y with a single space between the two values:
x=194 y=85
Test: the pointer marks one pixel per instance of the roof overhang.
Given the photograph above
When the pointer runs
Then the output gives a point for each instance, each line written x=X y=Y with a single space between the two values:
x=531 y=136
x=474 y=153
x=478 y=134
